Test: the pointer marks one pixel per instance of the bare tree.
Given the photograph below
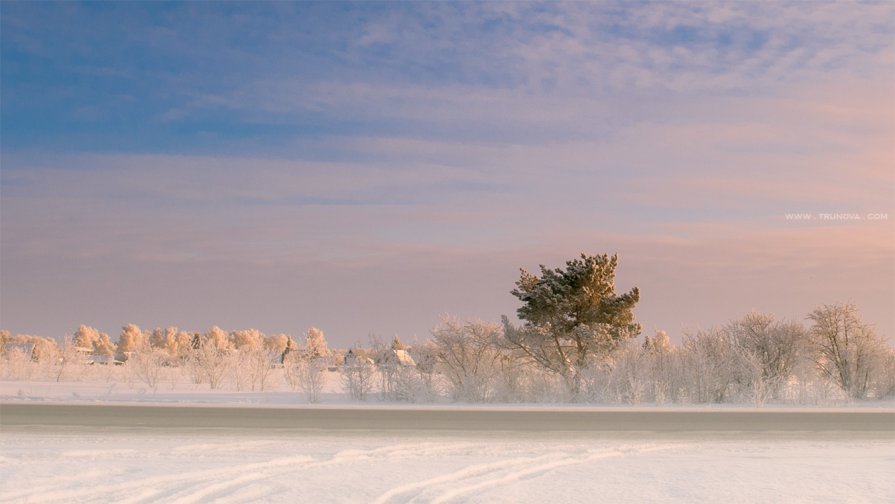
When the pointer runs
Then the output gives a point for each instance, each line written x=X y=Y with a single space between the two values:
x=711 y=367
x=69 y=359
x=885 y=378
x=358 y=374
x=249 y=361
x=210 y=356
x=770 y=348
x=146 y=363
x=260 y=363
x=306 y=373
x=304 y=368
x=469 y=357
x=846 y=350
x=399 y=377
x=425 y=356
x=660 y=358
x=17 y=362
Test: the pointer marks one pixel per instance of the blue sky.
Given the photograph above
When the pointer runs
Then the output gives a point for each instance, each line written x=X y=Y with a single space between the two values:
x=366 y=167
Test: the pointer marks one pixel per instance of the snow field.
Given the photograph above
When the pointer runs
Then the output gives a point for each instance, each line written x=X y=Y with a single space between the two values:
x=142 y=465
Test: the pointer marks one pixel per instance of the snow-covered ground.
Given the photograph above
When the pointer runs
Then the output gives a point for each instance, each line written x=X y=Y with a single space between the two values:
x=104 y=463
x=72 y=465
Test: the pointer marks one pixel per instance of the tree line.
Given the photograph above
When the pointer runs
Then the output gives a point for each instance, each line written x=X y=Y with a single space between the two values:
x=577 y=340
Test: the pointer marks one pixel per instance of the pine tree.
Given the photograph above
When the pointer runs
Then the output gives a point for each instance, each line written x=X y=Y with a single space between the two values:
x=572 y=315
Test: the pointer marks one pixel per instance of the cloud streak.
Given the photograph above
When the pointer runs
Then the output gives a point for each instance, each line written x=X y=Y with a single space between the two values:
x=405 y=159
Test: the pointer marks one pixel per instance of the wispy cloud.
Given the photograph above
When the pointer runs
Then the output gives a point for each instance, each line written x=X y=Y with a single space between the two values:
x=301 y=150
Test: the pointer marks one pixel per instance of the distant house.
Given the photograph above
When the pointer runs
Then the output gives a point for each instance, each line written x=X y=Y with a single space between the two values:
x=83 y=350
x=26 y=349
x=404 y=358
x=352 y=359
x=104 y=360
x=395 y=357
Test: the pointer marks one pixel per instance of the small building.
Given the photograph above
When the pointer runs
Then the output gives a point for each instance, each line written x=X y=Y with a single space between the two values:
x=26 y=349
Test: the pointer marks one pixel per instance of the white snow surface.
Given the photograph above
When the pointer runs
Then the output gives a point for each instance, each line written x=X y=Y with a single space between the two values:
x=138 y=465
x=146 y=466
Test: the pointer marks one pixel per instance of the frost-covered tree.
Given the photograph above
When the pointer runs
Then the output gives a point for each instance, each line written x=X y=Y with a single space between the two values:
x=277 y=343
x=218 y=338
x=846 y=350
x=304 y=368
x=146 y=363
x=4 y=339
x=885 y=377
x=659 y=357
x=399 y=377
x=68 y=359
x=130 y=340
x=425 y=357
x=85 y=337
x=358 y=374
x=164 y=339
x=16 y=363
x=175 y=343
x=209 y=356
x=27 y=356
x=306 y=372
x=571 y=315
x=250 y=365
x=43 y=349
x=315 y=344
x=770 y=350
x=659 y=343
x=97 y=343
x=183 y=346
x=247 y=339
x=712 y=369
x=469 y=357
x=629 y=379
x=104 y=346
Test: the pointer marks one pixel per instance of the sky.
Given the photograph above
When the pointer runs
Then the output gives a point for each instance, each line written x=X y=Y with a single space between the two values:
x=367 y=168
